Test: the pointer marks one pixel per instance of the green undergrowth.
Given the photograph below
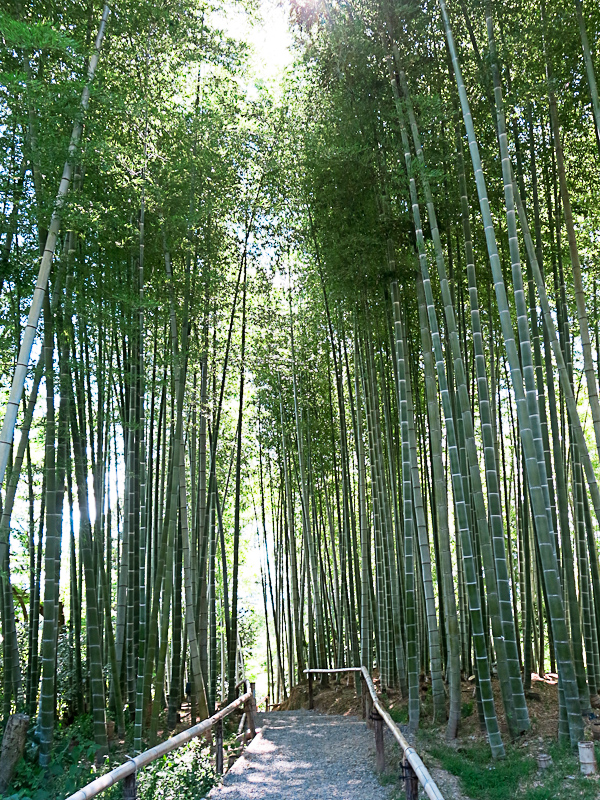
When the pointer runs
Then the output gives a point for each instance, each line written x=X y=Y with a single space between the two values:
x=188 y=772
x=184 y=773
x=390 y=777
x=482 y=777
x=399 y=715
x=516 y=777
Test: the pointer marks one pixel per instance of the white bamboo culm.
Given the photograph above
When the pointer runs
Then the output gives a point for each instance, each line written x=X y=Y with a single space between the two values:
x=16 y=391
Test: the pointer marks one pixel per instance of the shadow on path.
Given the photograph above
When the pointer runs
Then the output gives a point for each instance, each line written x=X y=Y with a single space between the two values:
x=303 y=755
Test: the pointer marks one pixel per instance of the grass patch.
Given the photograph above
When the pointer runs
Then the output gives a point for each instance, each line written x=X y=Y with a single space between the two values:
x=482 y=777
x=563 y=780
x=399 y=715
x=517 y=776
x=388 y=778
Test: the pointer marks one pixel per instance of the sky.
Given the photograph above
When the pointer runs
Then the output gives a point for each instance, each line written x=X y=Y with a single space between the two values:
x=270 y=39
x=268 y=36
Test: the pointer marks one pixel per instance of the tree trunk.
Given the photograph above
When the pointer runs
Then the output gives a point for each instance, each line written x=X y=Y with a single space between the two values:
x=13 y=747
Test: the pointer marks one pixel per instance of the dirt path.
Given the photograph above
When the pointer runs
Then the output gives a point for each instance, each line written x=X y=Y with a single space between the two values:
x=304 y=755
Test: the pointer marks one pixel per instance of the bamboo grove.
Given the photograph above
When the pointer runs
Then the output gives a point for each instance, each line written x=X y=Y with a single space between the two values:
x=349 y=328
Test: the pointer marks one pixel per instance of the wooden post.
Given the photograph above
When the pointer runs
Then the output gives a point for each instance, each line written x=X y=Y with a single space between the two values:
x=253 y=690
x=411 y=782
x=249 y=709
x=267 y=704
x=311 y=700
x=130 y=787
x=379 y=745
x=219 y=746
x=13 y=745
x=364 y=691
x=369 y=708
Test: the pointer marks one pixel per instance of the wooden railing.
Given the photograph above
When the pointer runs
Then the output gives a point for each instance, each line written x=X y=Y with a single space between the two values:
x=414 y=771
x=127 y=772
x=375 y=715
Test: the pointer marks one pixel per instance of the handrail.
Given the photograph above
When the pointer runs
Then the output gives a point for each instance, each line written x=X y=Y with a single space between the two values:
x=143 y=759
x=410 y=754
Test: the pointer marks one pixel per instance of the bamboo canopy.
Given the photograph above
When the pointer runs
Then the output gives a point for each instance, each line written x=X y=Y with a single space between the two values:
x=298 y=372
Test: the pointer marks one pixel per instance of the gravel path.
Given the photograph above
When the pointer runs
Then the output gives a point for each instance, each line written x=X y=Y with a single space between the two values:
x=303 y=755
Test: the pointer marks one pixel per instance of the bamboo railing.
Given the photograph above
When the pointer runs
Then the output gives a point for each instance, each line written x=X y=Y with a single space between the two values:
x=413 y=769
x=127 y=772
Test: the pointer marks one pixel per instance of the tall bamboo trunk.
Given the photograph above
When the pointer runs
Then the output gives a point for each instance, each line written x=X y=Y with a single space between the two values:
x=524 y=410
x=14 y=400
